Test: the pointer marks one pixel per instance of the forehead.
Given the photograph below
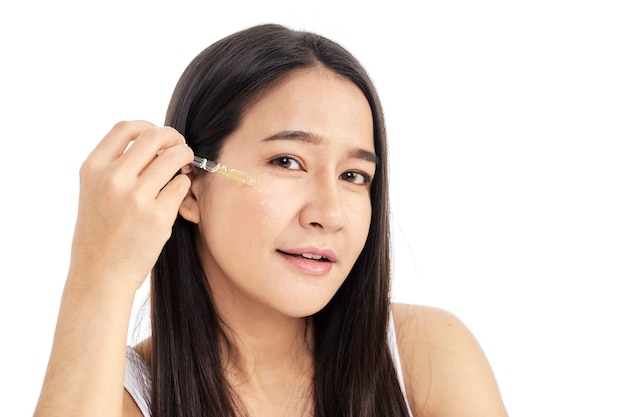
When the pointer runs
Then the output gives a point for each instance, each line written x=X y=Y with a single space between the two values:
x=314 y=100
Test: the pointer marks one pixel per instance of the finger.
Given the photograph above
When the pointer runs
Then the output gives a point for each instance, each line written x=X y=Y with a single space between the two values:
x=148 y=145
x=172 y=195
x=161 y=170
x=119 y=137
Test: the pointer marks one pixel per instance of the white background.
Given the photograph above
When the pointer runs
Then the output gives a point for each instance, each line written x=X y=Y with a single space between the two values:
x=507 y=129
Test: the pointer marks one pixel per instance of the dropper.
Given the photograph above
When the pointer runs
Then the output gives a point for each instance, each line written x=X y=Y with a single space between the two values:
x=211 y=166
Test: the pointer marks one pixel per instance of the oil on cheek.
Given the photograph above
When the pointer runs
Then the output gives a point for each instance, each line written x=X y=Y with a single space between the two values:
x=273 y=201
x=262 y=198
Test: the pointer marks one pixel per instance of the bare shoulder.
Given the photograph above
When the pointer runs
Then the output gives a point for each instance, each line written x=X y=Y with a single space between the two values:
x=445 y=371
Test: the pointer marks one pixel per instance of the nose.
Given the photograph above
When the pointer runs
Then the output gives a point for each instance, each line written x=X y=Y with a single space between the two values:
x=323 y=208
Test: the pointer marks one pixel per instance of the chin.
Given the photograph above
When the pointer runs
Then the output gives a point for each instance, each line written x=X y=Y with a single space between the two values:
x=299 y=308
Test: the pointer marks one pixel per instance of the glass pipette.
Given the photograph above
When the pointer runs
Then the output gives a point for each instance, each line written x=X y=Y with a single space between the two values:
x=211 y=166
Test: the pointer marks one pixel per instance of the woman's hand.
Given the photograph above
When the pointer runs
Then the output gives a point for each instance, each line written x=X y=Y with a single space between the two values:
x=128 y=202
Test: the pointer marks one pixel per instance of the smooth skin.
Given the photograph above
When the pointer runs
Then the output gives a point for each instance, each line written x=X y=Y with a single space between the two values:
x=312 y=197
x=126 y=211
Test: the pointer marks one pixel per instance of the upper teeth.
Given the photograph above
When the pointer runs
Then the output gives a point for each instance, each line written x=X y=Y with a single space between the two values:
x=311 y=256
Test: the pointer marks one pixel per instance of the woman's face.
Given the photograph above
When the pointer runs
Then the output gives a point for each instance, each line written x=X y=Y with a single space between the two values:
x=288 y=242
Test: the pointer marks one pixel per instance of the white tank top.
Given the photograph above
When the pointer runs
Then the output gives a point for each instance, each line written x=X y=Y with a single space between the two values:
x=137 y=380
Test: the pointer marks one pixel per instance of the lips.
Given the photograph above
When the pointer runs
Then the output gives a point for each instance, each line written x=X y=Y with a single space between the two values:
x=310 y=261
x=312 y=254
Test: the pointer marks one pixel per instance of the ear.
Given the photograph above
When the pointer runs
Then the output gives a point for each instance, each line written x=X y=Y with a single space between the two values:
x=189 y=208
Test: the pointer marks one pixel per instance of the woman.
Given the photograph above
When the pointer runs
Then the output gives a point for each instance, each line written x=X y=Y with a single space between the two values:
x=267 y=299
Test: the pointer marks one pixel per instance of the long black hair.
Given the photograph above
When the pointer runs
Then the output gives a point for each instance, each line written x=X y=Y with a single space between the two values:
x=354 y=371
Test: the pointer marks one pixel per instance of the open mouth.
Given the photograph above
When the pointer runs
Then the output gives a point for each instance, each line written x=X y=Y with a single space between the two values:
x=307 y=256
x=311 y=261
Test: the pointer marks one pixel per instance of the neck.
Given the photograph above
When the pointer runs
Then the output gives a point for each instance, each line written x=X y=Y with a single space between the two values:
x=261 y=346
x=269 y=360
x=264 y=346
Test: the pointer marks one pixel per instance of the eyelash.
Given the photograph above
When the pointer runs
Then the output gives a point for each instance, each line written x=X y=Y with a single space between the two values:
x=283 y=160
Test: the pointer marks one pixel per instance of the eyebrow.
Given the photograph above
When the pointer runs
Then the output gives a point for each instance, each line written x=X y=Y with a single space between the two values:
x=307 y=137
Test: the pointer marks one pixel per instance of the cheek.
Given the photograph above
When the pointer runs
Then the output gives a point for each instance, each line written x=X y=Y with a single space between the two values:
x=363 y=218
x=248 y=212
x=270 y=203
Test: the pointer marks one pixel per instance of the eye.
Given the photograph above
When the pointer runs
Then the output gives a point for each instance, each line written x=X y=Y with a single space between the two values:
x=356 y=177
x=286 y=162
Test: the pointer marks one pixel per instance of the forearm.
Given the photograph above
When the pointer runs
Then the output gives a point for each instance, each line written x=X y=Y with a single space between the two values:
x=85 y=374
x=128 y=203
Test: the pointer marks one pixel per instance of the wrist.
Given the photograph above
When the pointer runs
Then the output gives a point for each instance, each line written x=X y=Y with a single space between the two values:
x=101 y=285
